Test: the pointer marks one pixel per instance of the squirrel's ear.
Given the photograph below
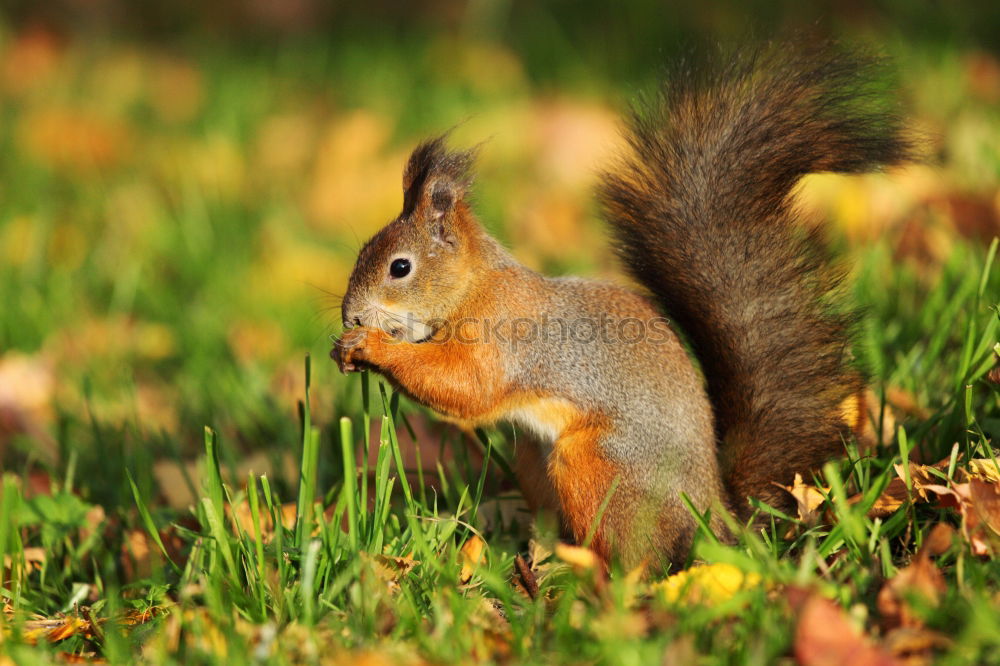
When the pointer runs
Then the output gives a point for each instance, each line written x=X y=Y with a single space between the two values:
x=443 y=195
x=436 y=178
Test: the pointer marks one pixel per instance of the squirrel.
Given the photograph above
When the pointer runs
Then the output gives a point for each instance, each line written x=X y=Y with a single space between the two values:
x=701 y=213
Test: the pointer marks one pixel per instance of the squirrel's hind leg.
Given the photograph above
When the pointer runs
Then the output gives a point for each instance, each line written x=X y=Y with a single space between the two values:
x=636 y=526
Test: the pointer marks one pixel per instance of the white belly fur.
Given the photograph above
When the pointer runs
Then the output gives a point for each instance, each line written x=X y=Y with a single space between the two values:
x=545 y=418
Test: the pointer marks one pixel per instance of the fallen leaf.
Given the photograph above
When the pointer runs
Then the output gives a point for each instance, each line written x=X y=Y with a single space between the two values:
x=825 y=637
x=896 y=494
x=496 y=637
x=921 y=578
x=982 y=74
x=34 y=559
x=390 y=569
x=580 y=558
x=707 y=583
x=79 y=658
x=985 y=499
x=915 y=645
x=56 y=629
x=244 y=518
x=984 y=469
x=978 y=502
x=27 y=384
x=473 y=554
x=906 y=402
x=809 y=499
x=137 y=616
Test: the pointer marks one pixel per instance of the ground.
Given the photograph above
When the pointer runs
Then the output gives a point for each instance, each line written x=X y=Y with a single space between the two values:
x=176 y=223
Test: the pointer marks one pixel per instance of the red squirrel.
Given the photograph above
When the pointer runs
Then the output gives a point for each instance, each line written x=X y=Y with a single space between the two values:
x=701 y=214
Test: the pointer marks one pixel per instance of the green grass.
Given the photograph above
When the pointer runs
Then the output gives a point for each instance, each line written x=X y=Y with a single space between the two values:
x=170 y=295
x=330 y=584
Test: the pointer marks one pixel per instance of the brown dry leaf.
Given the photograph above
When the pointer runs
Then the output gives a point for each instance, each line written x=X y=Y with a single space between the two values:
x=473 y=554
x=921 y=475
x=915 y=646
x=978 y=502
x=895 y=494
x=982 y=74
x=905 y=402
x=244 y=518
x=27 y=384
x=95 y=519
x=391 y=569
x=985 y=499
x=681 y=650
x=34 y=559
x=496 y=632
x=808 y=498
x=56 y=629
x=137 y=554
x=134 y=616
x=618 y=625
x=892 y=498
x=825 y=637
x=80 y=658
x=921 y=577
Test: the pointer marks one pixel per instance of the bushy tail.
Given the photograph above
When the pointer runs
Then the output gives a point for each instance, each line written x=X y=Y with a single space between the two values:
x=701 y=213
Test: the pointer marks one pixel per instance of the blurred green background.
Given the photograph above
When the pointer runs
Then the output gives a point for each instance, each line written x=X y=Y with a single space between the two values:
x=183 y=187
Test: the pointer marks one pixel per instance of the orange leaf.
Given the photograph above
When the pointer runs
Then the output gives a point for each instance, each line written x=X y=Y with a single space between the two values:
x=921 y=578
x=895 y=494
x=826 y=637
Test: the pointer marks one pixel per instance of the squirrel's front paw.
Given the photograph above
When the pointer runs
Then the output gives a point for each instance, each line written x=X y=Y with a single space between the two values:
x=353 y=351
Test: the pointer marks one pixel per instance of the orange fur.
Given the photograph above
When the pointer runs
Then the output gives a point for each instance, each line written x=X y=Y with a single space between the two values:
x=451 y=377
x=582 y=477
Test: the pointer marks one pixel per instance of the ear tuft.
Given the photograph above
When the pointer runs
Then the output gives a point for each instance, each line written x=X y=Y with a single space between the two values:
x=442 y=198
x=433 y=172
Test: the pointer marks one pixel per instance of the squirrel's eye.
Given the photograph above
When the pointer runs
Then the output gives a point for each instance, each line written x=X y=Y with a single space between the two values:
x=399 y=268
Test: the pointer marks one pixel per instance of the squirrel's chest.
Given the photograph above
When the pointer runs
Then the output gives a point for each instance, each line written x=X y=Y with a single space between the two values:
x=545 y=418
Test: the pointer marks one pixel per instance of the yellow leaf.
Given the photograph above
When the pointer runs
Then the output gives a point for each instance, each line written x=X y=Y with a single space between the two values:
x=581 y=559
x=707 y=583
x=984 y=469
x=473 y=554
x=808 y=498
